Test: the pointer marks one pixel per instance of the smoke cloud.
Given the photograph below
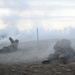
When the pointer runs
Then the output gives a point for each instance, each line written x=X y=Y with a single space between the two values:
x=29 y=49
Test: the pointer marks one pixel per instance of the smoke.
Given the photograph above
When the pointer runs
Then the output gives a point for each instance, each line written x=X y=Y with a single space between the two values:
x=29 y=52
x=29 y=49
x=31 y=35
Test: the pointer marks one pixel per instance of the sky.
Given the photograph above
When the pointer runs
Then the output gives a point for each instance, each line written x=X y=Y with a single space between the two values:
x=53 y=15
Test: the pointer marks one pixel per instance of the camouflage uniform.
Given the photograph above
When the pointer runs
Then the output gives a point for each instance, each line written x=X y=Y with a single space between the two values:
x=12 y=47
x=63 y=51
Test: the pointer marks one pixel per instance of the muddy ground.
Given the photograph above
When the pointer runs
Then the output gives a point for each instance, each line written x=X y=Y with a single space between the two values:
x=37 y=69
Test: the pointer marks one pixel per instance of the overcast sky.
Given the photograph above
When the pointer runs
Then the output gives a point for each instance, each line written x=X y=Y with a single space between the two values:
x=27 y=14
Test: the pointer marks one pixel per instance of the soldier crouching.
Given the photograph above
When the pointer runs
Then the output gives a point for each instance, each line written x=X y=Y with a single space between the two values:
x=63 y=51
x=12 y=47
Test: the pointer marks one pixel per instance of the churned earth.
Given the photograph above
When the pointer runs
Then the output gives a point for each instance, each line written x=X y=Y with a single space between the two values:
x=37 y=69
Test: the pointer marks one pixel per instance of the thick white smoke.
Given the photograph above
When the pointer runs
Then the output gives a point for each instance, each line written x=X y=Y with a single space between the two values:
x=29 y=49
x=31 y=35
x=28 y=52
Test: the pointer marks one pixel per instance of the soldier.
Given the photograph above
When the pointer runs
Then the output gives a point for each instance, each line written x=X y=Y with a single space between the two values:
x=12 y=47
x=63 y=51
x=14 y=44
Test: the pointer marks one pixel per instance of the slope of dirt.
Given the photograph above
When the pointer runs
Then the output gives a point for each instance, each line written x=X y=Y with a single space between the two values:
x=37 y=69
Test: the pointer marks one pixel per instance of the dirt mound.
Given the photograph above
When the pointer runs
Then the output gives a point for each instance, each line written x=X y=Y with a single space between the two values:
x=37 y=69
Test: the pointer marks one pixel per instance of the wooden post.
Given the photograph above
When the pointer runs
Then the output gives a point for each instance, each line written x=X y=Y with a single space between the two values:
x=37 y=36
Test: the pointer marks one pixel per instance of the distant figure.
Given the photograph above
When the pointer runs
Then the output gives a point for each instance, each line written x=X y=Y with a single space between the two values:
x=63 y=51
x=12 y=47
x=14 y=44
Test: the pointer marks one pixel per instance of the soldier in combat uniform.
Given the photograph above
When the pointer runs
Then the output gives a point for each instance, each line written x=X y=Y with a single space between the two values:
x=12 y=47
x=63 y=52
